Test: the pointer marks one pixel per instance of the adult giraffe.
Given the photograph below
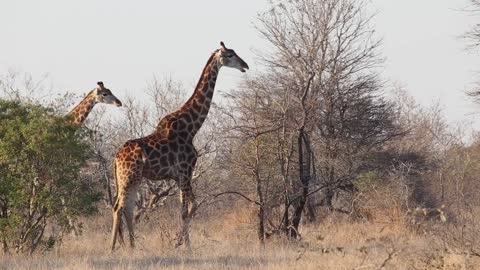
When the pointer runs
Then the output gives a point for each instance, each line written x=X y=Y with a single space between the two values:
x=168 y=153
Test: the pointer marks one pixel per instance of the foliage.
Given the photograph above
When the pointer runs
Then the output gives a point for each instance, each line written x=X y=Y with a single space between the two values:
x=40 y=160
x=365 y=180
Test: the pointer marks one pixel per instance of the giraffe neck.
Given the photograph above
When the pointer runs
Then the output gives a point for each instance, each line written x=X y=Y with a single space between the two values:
x=81 y=111
x=195 y=110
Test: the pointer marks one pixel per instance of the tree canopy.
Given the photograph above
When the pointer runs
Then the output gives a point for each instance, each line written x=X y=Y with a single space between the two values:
x=41 y=156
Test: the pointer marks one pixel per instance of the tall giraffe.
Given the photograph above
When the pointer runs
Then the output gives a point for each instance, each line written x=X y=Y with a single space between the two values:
x=168 y=153
x=98 y=95
x=80 y=112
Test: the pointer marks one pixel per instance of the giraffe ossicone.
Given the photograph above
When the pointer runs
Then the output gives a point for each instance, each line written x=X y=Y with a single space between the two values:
x=168 y=153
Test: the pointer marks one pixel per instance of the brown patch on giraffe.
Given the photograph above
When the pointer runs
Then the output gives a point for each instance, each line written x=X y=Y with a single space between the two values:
x=154 y=155
x=164 y=161
x=196 y=107
x=197 y=125
x=172 y=137
x=171 y=158
x=183 y=134
x=153 y=162
x=182 y=125
x=187 y=118
x=173 y=146
x=195 y=116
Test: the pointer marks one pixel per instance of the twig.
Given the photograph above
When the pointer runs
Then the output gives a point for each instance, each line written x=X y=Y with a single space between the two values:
x=301 y=254
x=389 y=258
x=238 y=194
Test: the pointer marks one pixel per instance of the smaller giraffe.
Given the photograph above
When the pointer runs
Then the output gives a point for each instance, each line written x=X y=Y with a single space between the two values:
x=79 y=114
x=97 y=95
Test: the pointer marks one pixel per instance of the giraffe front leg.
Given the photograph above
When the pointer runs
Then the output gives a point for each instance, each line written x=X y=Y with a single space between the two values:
x=192 y=205
x=183 y=232
x=188 y=207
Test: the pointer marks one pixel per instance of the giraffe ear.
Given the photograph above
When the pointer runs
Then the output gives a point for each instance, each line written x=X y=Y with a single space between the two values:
x=223 y=45
x=100 y=84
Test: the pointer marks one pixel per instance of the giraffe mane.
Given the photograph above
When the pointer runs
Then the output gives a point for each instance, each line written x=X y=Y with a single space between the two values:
x=199 y=83
x=89 y=93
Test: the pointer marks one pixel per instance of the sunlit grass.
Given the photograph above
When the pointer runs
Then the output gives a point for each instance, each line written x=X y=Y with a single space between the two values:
x=230 y=243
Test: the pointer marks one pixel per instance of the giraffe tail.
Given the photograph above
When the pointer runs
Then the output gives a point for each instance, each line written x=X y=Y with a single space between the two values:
x=115 y=205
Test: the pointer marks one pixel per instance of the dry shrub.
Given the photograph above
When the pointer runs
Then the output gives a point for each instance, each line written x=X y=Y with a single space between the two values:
x=461 y=236
x=455 y=186
x=237 y=221
x=385 y=201
x=164 y=223
x=382 y=205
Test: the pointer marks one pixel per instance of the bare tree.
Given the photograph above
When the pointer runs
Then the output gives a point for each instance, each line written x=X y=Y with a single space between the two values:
x=473 y=36
x=322 y=75
x=251 y=157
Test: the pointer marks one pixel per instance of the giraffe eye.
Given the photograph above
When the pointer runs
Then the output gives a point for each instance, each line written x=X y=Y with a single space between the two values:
x=104 y=94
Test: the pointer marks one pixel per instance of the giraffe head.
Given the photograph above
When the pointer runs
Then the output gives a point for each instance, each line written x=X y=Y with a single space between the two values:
x=228 y=58
x=104 y=95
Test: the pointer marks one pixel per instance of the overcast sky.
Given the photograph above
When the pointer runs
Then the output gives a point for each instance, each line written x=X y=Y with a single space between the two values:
x=126 y=43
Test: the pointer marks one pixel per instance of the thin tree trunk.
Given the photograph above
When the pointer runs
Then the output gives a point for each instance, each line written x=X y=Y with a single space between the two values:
x=261 y=210
x=4 y=246
x=4 y=214
x=261 y=214
x=304 y=160
x=327 y=201
x=108 y=188
x=310 y=213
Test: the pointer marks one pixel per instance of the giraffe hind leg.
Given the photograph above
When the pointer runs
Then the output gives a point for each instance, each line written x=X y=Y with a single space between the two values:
x=128 y=174
x=129 y=214
x=120 y=234
x=117 y=228
x=117 y=215
x=120 y=231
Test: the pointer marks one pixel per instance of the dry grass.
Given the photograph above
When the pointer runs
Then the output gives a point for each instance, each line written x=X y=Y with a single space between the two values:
x=229 y=243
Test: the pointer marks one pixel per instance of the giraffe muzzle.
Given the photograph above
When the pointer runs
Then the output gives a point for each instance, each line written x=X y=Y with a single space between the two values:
x=243 y=64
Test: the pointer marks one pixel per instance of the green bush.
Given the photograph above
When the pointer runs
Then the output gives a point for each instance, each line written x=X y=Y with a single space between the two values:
x=366 y=180
x=41 y=156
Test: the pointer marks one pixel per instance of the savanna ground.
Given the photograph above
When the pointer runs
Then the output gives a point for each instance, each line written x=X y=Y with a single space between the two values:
x=229 y=242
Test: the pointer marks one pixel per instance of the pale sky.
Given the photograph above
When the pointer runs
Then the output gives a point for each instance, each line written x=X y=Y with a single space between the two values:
x=126 y=43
